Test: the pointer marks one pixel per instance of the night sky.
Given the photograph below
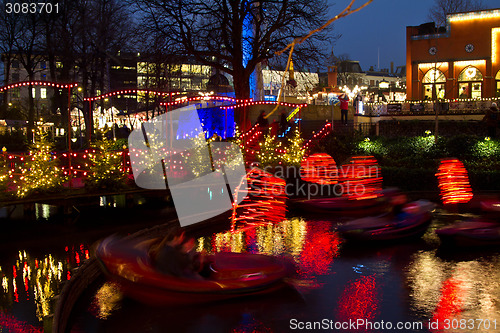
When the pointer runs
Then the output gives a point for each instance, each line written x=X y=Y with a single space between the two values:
x=382 y=24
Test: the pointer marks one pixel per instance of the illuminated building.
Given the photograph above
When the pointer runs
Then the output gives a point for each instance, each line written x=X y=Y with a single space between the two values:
x=459 y=61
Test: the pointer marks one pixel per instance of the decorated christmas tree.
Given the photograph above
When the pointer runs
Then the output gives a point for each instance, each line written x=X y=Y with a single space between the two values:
x=40 y=173
x=295 y=151
x=106 y=169
x=271 y=152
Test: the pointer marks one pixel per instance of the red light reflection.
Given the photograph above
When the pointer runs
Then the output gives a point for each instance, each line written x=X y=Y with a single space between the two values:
x=359 y=300
x=13 y=325
x=320 y=248
x=450 y=304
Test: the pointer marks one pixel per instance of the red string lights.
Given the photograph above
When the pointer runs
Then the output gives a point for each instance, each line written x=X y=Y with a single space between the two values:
x=361 y=178
x=39 y=83
x=453 y=182
x=265 y=203
x=130 y=91
x=205 y=98
x=327 y=129
x=320 y=169
x=249 y=102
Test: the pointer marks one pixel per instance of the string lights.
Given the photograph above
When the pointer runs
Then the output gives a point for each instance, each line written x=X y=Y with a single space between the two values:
x=362 y=178
x=453 y=182
x=105 y=169
x=40 y=172
x=131 y=91
x=320 y=169
x=38 y=83
x=245 y=103
x=265 y=203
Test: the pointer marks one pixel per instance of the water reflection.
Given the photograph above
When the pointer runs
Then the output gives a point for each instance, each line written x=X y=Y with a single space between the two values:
x=313 y=245
x=454 y=290
x=32 y=280
x=359 y=300
x=402 y=282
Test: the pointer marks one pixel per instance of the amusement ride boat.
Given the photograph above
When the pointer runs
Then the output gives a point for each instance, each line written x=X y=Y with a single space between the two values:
x=412 y=221
x=231 y=274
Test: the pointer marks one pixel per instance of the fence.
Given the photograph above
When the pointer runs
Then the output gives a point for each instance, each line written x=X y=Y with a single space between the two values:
x=457 y=107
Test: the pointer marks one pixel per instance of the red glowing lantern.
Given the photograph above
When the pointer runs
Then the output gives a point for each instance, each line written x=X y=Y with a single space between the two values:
x=320 y=169
x=361 y=178
x=453 y=182
x=264 y=204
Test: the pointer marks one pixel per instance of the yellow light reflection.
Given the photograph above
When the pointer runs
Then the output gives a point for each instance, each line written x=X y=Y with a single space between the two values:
x=107 y=300
x=477 y=285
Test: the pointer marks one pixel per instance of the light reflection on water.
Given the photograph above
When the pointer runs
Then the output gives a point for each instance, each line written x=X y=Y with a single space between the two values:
x=458 y=290
x=32 y=282
x=411 y=281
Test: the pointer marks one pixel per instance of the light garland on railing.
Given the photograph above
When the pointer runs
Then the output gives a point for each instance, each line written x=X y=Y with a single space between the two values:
x=327 y=129
x=39 y=83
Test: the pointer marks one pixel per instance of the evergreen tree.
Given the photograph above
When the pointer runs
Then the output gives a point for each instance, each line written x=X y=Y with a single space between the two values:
x=106 y=169
x=270 y=153
x=295 y=151
x=40 y=173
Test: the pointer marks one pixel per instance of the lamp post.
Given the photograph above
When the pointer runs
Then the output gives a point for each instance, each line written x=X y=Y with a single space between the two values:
x=69 y=136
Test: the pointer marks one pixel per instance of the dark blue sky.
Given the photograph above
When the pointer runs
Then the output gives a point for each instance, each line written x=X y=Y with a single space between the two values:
x=382 y=24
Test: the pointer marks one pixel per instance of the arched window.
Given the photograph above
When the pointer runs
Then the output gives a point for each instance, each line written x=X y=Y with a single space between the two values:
x=434 y=78
x=497 y=79
x=470 y=82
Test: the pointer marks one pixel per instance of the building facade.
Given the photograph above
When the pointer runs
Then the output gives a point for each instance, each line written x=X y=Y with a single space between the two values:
x=459 y=61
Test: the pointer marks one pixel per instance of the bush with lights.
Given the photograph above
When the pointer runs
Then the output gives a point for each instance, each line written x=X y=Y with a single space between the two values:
x=40 y=173
x=105 y=169
x=4 y=174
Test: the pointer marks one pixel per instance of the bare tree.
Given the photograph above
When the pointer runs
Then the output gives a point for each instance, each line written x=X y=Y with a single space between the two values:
x=348 y=73
x=9 y=30
x=234 y=36
x=28 y=46
x=441 y=8
x=83 y=39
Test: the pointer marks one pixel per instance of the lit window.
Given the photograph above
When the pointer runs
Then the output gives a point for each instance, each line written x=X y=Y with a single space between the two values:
x=43 y=93
x=33 y=92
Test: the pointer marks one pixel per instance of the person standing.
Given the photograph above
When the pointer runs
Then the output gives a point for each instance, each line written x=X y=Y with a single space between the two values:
x=344 y=107
x=262 y=120
x=491 y=119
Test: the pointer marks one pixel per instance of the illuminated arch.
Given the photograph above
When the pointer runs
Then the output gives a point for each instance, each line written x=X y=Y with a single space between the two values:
x=433 y=78
x=470 y=83
x=497 y=89
x=434 y=75
x=470 y=73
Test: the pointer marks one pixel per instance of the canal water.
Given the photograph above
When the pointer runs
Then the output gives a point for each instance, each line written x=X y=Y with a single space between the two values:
x=414 y=285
